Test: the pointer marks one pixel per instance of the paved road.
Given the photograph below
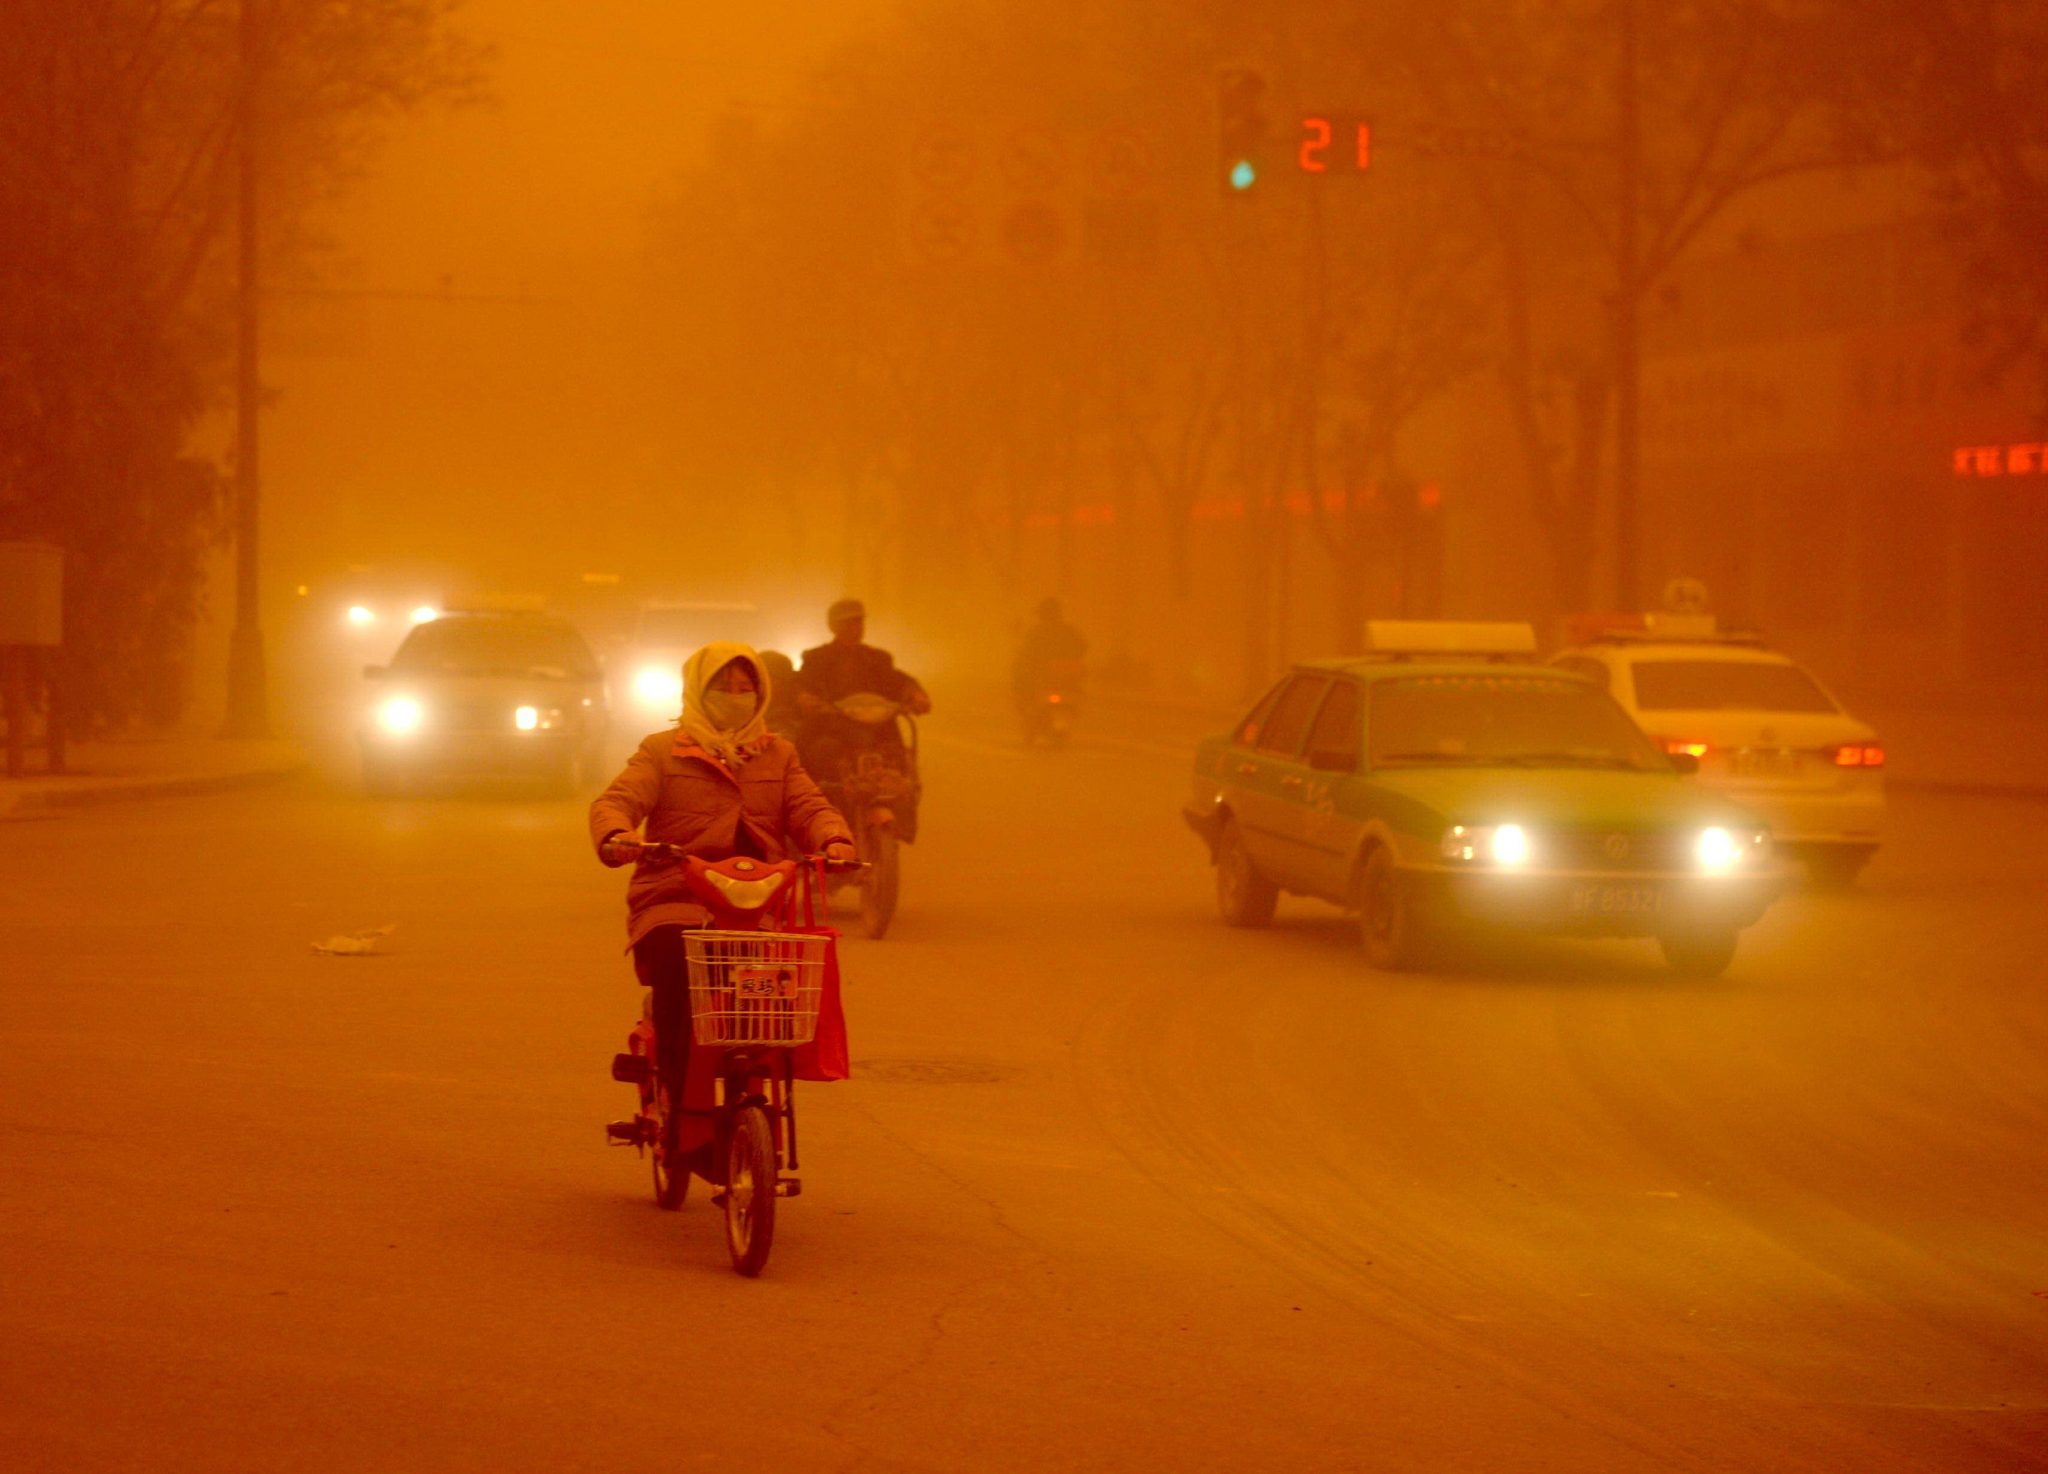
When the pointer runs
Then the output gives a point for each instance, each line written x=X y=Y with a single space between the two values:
x=1115 y=1187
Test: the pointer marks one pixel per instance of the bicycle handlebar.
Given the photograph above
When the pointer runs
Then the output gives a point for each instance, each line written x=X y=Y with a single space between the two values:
x=660 y=850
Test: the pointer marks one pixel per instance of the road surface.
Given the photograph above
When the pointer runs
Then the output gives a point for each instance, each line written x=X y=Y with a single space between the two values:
x=1114 y=1187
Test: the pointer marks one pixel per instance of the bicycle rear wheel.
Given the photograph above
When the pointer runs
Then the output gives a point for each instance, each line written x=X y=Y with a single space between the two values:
x=750 y=1173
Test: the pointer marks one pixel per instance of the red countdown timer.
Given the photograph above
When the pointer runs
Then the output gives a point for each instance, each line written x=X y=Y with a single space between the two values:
x=1334 y=145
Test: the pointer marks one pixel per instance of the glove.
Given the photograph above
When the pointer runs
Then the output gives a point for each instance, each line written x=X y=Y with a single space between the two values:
x=620 y=847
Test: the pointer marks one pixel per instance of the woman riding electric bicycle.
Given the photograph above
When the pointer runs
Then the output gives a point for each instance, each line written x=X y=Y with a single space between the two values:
x=717 y=786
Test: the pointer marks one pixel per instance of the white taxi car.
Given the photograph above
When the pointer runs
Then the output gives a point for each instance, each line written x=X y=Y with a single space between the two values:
x=1765 y=732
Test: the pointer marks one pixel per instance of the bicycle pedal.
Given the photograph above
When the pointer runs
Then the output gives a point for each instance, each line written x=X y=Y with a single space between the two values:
x=632 y=1069
x=625 y=1133
x=789 y=1187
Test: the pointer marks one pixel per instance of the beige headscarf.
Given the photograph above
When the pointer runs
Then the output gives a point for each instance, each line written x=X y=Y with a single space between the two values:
x=735 y=747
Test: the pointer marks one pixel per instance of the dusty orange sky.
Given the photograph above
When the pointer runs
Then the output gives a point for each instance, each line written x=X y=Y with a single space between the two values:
x=406 y=425
x=596 y=103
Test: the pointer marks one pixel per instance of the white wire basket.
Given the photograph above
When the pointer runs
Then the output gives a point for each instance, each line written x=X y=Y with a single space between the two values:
x=754 y=987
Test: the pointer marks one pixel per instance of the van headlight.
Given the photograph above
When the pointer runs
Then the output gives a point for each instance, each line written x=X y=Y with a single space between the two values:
x=401 y=716
x=1507 y=845
x=659 y=687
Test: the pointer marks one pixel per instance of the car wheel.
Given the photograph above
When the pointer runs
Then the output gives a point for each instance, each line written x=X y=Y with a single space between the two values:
x=1392 y=935
x=1704 y=952
x=1243 y=896
x=1835 y=867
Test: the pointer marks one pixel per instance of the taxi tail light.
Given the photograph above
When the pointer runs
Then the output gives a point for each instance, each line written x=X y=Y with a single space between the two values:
x=1857 y=754
x=1678 y=745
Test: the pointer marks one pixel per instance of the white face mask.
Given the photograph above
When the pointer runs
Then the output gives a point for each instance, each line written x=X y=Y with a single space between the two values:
x=730 y=710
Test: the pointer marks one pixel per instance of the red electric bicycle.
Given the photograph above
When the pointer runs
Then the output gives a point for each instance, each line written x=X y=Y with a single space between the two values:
x=760 y=979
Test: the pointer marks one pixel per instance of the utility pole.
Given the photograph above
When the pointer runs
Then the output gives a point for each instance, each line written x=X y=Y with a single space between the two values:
x=1628 y=464
x=248 y=703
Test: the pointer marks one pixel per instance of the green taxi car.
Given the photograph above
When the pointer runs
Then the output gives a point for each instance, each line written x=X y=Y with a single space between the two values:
x=1438 y=791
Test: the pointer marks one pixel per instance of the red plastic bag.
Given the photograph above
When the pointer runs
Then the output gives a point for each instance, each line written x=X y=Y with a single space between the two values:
x=825 y=1057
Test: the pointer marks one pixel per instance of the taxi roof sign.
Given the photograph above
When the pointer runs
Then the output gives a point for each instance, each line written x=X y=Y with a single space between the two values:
x=1494 y=637
x=1653 y=627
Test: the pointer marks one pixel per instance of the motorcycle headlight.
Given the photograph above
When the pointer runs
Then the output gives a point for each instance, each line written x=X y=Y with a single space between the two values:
x=401 y=716
x=1501 y=844
x=526 y=718
x=361 y=616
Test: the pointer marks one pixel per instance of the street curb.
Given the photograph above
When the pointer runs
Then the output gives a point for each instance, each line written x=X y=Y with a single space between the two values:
x=43 y=800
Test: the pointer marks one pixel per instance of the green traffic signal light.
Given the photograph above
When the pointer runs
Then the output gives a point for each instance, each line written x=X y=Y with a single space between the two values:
x=1240 y=128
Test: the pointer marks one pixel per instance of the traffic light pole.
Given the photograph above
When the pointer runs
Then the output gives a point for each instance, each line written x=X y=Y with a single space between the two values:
x=248 y=702
x=1628 y=465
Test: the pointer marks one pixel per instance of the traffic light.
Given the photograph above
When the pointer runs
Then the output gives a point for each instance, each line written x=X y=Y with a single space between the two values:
x=1240 y=130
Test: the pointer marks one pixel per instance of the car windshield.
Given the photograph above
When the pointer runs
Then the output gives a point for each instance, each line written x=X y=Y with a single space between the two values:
x=1726 y=685
x=687 y=628
x=1503 y=721
x=495 y=647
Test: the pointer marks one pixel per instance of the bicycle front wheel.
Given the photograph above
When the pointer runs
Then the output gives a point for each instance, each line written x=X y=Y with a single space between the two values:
x=750 y=1173
x=671 y=1168
x=878 y=885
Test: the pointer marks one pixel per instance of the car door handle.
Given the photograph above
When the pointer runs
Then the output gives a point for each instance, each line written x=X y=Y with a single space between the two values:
x=1292 y=780
x=1246 y=770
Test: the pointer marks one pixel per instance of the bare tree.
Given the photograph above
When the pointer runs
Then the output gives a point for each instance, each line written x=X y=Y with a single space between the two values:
x=116 y=139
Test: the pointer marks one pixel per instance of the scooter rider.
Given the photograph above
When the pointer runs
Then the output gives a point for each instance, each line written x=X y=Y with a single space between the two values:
x=849 y=665
x=716 y=785
x=1051 y=648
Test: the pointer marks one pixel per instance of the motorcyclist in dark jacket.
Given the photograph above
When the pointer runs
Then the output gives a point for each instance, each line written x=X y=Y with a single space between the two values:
x=1050 y=654
x=849 y=666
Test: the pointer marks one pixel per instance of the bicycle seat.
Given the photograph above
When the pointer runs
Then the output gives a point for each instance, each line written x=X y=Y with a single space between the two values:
x=739 y=884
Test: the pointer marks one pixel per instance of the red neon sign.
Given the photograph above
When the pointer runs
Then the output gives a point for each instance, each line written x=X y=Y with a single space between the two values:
x=2025 y=458
x=1331 y=144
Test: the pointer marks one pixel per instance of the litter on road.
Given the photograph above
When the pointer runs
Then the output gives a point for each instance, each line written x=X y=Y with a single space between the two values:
x=355 y=943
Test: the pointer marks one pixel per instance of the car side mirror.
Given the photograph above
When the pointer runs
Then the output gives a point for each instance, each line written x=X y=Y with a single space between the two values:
x=374 y=672
x=1333 y=760
x=1686 y=764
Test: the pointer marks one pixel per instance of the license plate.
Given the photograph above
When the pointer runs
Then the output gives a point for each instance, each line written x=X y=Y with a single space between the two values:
x=764 y=982
x=1764 y=762
x=1616 y=900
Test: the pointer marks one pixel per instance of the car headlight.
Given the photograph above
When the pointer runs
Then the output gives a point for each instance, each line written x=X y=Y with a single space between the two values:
x=1500 y=844
x=1510 y=845
x=526 y=718
x=1721 y=850
x=361 y=616
x=659 y=687
x=401 y=715
x=425 y=614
